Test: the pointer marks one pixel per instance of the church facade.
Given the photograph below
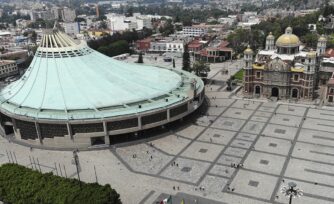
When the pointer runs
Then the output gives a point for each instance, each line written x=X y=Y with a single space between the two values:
x=283 y=70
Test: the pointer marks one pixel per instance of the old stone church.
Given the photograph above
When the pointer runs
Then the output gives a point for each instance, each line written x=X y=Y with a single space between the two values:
x=283 y=70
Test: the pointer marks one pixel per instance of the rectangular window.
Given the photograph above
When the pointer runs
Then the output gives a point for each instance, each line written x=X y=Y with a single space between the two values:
x=296 y=77
x=331 y=91
x=258 y=75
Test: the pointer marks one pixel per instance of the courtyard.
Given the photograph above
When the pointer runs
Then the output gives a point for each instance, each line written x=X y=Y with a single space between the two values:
x=275 y=143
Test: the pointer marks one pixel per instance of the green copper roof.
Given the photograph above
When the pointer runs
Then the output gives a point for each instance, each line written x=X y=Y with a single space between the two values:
x=77 y=82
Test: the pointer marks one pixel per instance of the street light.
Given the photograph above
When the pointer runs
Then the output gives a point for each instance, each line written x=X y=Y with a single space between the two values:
x=76 y=162
x=291 y=191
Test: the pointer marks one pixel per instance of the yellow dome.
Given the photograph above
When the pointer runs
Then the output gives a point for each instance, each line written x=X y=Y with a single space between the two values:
x=311 y=54
x=322 y=38
x=248 y=50
x=288 y=39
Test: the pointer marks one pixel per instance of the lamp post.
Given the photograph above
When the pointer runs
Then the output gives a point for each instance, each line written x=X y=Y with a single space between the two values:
x=76 y=162
x=291 y=191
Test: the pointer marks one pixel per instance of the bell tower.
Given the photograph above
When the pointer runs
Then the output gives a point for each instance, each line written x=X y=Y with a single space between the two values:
x=248 y=72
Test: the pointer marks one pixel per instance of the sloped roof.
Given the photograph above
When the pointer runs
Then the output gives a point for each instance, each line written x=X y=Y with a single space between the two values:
x=70 y=80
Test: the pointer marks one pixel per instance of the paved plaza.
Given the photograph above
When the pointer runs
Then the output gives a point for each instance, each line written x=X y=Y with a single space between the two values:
x=276 y=143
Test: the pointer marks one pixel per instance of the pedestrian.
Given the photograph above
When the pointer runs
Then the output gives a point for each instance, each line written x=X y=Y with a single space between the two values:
x=178 y=188
x=173 y=187
x=151 y=157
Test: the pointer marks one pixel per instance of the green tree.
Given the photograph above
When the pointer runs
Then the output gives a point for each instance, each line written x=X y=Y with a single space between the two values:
x=140 y=58
x=186 y=59
x=201 y=68
x=167 y=29
x=103 y=25
x=310 y=39
x=19 y=184
x=33 y=36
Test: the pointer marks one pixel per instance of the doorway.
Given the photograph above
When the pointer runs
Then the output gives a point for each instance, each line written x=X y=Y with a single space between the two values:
x=274 y=92
x=257 y=90
x=8 y=129
x=97 y=140
x=294 y=93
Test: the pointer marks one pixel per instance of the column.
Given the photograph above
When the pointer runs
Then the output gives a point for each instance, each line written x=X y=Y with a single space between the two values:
x=69 y=130
x=106 y=135
x=38 y=133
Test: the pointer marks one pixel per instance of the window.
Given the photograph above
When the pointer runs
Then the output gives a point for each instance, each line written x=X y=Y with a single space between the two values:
x=331 y=91
x=258 y=75
x=296 y=77
x=330 y=99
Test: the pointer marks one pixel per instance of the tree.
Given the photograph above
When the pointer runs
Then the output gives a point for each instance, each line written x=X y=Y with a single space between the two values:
x=173 y=63
x=186 y=59
x=103 y=25
x=33 y=36
x=140 y=58
x=310 y=39
x=167 y=29
x=201 y=68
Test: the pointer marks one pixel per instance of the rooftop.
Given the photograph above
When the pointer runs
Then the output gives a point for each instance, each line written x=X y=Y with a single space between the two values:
x=5 y=62
x=67 y=80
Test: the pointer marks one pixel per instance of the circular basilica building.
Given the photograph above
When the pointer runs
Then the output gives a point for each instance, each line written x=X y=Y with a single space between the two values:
x=74 y=97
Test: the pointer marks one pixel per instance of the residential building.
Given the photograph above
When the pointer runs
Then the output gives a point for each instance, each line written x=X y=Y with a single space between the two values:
x=144 y=44
x=45 y=14
x=194 y=31
x=72 y=28
x=175 y=46
x=8 y=68
x=67 y=14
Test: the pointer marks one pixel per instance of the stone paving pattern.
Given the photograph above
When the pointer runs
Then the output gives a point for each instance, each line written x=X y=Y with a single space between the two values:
x=276 y=143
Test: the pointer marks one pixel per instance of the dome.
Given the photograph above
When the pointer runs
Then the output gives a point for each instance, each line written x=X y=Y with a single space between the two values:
x=70 y=80
x=288 y=39
x=322 y=38
x=248 y=50
x=311 y=54
x=270 y=36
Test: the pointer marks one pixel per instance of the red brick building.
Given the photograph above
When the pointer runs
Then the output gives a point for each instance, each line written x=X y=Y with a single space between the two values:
x=144 y=44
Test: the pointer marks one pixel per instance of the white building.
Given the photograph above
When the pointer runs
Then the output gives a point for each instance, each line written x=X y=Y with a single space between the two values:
x=122 y=23
x=143 y=22
x=194 y=31
x=174 y=46
x=46 y=15
x=68 y=15
x=230 y=20
x=72 y=28
x=8 y=68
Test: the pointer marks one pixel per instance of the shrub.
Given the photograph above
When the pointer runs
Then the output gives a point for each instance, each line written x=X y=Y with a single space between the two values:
x=21 y=185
